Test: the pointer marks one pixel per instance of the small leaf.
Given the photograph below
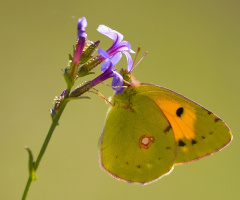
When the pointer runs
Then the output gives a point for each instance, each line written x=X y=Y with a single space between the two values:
x=70 y=56
x=66 y=75
x=31 y=168
x=77 y=92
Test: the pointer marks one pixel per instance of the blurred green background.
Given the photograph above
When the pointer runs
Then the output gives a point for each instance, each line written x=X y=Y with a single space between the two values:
x=193 y=49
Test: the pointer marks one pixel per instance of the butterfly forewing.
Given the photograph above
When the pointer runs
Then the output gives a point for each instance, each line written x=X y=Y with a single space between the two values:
x=197 y=131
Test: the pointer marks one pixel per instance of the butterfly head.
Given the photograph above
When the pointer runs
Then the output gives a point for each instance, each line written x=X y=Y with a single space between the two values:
x=129 y=79
x=125 y=79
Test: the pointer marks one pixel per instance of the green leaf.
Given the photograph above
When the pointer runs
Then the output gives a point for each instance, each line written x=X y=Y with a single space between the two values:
x=31 y=168
x=66 y=75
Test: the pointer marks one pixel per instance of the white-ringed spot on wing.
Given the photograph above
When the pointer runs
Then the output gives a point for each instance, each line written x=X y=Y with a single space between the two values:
x=145 y=141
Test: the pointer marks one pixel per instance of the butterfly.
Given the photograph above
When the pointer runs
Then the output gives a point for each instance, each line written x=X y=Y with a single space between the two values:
x=149 y=129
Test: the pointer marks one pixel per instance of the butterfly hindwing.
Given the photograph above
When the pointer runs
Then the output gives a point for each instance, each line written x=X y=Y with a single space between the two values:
x=137 y=143
x=197 y=131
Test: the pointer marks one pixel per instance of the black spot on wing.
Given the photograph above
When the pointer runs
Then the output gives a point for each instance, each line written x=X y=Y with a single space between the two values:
x=181 y=143
x=216 y=119
x=167 y=129
x=209 y=112
x=194 y=142
x=179 y=111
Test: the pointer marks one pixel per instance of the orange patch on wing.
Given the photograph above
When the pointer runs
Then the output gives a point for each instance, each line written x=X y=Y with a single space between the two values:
x=183 y=126
x=145 y=141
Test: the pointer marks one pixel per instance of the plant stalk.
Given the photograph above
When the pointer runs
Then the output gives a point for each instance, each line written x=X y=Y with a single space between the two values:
x=45 y=144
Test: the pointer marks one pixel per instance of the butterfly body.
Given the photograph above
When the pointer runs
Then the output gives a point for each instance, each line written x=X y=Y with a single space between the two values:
x=149 y=129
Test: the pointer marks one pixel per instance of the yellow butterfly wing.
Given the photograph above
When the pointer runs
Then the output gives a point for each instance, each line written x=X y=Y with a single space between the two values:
x=136 y=145
x=197 y=131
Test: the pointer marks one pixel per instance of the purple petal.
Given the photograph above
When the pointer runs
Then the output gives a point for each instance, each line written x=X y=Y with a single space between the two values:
x=105 y=75
x=82 y=24
x=131 y=51
x=111 y=62
x=79 y=49
x=114 y=35
x=116 y=58
x=125 y=44
x=103 y=53
x=122 y=46
x=117 y=81
x=119 y=90
x=129 y=61
x=108 y=73
x=63 y=93
x=105 y=65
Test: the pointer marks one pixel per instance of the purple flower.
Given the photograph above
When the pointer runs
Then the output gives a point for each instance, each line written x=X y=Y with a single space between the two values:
x=82 y=24
x=108 y=70
x=111 y=56
x=117 y=82
x=118 y=44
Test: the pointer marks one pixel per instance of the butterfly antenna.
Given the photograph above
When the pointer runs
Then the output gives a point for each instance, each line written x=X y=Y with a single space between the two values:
x=114 y=86
x=139 y=60
x=101 y=95
x=138 y=50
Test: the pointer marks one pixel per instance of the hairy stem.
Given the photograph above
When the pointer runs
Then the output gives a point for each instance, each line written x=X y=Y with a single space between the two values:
x=45 y=144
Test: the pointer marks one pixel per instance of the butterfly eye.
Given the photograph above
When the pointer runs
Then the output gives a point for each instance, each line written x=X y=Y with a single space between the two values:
x=126 y=77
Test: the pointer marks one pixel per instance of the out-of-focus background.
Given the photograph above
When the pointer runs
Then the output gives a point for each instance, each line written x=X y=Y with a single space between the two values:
x=193 y=49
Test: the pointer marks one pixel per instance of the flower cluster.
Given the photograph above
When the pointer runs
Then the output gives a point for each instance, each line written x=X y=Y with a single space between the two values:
x=110 y=57
x=83 y=61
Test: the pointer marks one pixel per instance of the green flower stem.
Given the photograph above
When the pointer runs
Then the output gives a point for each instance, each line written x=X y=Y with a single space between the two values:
x=27 y=188
x=45 y=144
